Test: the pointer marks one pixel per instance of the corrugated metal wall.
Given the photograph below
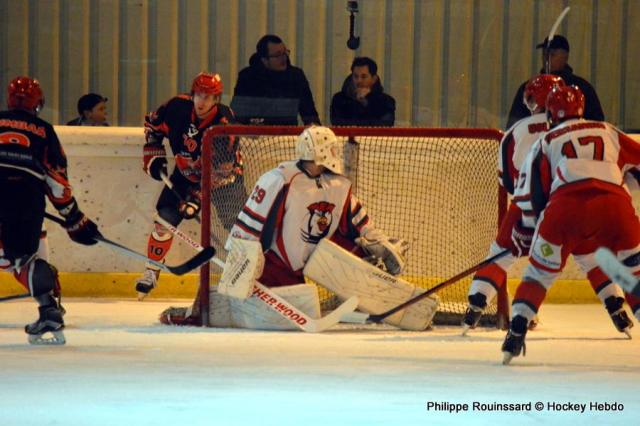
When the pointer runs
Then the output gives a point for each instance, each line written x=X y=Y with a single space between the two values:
x=454 y=63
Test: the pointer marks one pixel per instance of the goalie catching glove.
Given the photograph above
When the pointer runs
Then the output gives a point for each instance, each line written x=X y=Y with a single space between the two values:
x=79 y=227
x=380 y=248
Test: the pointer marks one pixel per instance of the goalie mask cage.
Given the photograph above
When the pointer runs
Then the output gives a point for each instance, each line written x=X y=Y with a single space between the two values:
x=436 y=188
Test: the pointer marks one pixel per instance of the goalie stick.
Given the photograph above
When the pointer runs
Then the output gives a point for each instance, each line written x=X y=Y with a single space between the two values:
x=275 y=301
x=617 y=271
x=358 y=317
x=204 y=256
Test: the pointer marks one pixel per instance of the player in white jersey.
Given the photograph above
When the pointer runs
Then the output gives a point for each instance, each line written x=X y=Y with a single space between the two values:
x=572 y=182
x=297 y=204
x=513 y=149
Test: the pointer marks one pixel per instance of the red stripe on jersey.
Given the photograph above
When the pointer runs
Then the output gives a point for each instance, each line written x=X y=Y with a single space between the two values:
x=253 y=215
x=521 y=198
x=559 y=173
x=629 y=151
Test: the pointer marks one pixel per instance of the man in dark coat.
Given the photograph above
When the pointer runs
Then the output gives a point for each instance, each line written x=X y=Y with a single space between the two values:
x=270 y=90
x=362 y=101
x=557 y=54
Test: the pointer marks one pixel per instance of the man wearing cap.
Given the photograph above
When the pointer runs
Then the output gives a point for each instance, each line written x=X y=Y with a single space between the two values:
x=558 y=56
x=92 y=111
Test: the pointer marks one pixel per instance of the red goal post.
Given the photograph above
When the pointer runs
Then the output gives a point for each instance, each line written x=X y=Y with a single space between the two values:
x=435 y=187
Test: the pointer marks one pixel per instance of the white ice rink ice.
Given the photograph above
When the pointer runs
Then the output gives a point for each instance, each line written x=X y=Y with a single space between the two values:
x=120 y=366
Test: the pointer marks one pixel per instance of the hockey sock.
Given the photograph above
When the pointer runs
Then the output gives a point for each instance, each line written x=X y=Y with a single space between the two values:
x=159 y=244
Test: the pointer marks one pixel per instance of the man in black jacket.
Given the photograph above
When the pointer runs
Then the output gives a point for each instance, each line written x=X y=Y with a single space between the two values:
x=270 y=90
x=362 y=101
x=557 y=54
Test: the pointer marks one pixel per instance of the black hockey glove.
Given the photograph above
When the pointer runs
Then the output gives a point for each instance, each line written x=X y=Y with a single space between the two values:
x=79 y=227
x=189 y=207
x=155 y=161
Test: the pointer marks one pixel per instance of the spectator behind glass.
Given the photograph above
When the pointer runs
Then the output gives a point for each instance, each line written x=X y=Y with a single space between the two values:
x=362 y=101
x=92 y=111
x=558 y=57
x=270 y=90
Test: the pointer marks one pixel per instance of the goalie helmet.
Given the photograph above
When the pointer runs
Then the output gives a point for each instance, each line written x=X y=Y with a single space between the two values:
x=25 y=93
x=208 y=83
x=538 y=88
x=320 y=145
x=564 y=103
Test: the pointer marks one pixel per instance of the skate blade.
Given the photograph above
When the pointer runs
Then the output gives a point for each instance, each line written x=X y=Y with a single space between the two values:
x=507 y=357
x=628 y=333
x=141 y=296
x=57 y=338
x=465 y=330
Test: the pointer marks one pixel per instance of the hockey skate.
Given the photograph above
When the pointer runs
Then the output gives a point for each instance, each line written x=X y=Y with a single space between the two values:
x=471 y=318
x=618 y=314
x=514 y=341
x=50 y=321
x=477 y=303
x=147 y=282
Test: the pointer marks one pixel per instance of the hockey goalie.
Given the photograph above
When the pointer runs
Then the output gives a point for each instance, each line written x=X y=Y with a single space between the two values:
x=303 y=220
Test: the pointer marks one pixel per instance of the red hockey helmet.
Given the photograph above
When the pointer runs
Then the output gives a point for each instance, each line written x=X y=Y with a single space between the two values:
x=537 y=90
x=25 y=93
x=208 y=83
x=564 y=103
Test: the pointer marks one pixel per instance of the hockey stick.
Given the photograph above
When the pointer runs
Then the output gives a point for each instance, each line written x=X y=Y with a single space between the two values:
x=362 y=318
x=15 y=296
x=275 y=301
x=552 y=33
x=184 y=237
x=617 y=271
x=204 y=256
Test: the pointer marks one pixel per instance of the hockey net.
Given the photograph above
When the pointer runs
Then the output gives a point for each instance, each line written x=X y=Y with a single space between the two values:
x=436 y=188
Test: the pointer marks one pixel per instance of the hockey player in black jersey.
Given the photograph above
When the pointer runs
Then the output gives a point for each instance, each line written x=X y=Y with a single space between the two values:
x=32 y=164
x=183 y=120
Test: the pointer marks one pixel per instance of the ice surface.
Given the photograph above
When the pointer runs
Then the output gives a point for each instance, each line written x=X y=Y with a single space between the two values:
x=120 y=366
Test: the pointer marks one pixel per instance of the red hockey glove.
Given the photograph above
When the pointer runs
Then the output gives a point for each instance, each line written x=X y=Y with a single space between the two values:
x=79 y=227
x=154 y=161
x=521 y=237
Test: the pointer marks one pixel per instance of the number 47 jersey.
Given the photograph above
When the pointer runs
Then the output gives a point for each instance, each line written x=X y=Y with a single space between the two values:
x=574 y=156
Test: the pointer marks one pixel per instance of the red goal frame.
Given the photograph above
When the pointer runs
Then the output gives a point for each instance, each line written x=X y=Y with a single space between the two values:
x=240 y=130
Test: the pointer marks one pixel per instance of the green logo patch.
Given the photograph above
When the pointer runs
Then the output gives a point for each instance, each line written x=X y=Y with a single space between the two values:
x=546 y=250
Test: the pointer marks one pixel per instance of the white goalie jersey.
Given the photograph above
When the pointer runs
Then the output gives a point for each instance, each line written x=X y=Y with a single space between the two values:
x=290 y=212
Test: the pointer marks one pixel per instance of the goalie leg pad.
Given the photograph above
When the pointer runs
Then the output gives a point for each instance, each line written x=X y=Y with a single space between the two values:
x=347 y=275
x=244 y=265
x=254 y=312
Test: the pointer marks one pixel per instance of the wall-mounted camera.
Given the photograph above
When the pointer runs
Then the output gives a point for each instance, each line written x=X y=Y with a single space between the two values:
x=354 y=42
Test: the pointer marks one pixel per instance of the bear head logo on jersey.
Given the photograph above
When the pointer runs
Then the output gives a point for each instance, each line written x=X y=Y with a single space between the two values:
x=318 y=222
